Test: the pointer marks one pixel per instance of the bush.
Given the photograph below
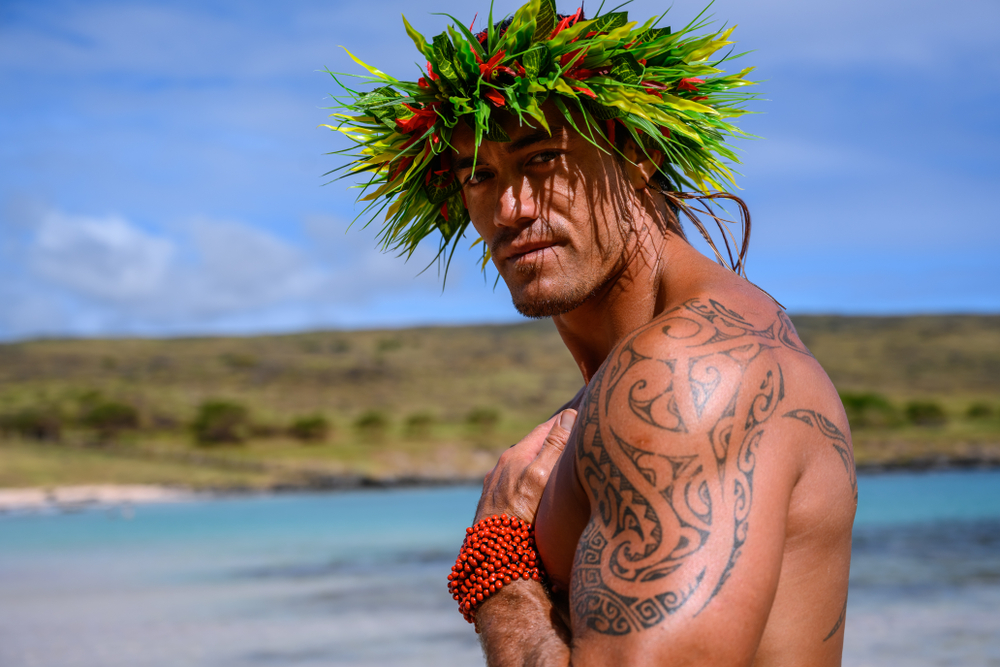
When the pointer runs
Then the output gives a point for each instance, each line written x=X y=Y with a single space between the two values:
x=979 y=411
x=925 y=413
x=418 y=425
x=483 y=419
x=108 y=418
x=312 y=428
x=869 y=410
x=33 y=423
x=219 y=422
x=371 y=421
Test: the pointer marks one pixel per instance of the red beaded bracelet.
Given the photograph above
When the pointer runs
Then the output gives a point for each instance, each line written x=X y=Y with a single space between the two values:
x=496 y=551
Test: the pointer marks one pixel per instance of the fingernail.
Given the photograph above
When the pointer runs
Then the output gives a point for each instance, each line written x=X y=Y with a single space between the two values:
x=567 y=419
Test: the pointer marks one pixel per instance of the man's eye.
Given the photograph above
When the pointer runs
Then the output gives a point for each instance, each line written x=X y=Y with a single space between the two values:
x=477 y=177
x=547 y=156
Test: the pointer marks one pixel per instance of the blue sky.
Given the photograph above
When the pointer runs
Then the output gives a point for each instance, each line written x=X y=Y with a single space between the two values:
x=162 y=167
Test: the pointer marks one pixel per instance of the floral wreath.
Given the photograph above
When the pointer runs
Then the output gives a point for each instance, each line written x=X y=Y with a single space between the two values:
x=601 y=74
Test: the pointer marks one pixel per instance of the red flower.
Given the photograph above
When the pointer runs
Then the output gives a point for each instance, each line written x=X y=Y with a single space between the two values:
x=489 y=69
x=567 y=22
x=586 y=91
x=690 y=84
x=421 y=120
x=654 y=88
x=496 y=97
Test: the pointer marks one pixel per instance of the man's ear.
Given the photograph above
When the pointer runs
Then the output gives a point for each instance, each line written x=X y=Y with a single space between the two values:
x=640 y=166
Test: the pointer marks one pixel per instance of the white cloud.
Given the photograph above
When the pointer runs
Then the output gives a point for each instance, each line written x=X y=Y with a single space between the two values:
x=216 y=268
x=95 y=275
x=107 y=258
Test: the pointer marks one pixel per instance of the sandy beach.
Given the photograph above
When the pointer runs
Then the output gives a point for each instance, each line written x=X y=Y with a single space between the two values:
x=70 y=497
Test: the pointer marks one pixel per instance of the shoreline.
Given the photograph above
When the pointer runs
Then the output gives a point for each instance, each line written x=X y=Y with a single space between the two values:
x=78 y=497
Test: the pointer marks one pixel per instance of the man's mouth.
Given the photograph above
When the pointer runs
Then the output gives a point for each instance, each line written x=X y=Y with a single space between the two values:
x=526 y=251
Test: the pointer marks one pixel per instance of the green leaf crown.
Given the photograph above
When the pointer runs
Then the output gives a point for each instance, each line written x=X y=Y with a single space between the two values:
x=661 y=87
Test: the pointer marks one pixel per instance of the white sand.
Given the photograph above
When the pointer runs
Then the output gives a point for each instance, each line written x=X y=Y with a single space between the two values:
x=79 y=496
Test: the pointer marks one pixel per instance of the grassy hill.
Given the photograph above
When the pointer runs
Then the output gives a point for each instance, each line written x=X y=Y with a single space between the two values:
x=315 y=407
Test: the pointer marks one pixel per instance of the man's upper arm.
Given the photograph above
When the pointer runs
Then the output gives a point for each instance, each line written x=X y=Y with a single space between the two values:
x=680 y=560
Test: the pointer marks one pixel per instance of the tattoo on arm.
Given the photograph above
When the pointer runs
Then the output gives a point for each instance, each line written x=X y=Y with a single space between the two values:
x=644 y=554
x=836 y=438
x=840 y=622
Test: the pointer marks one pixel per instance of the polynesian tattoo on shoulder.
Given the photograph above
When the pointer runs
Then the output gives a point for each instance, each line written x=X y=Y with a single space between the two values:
x=637 y=560
x=836 y=437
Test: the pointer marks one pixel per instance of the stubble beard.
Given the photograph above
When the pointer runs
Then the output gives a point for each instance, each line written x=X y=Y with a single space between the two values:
x=564 y=300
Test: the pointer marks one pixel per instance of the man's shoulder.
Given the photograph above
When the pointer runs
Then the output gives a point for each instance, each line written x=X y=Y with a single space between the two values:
x=704 y=369
x=709 y=325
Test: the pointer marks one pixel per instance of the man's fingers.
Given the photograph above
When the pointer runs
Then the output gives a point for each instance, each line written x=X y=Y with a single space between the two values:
x=532 y=444
x=555 y=441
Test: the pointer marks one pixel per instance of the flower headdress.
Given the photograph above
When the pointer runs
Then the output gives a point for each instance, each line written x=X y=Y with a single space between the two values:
x=602 y=74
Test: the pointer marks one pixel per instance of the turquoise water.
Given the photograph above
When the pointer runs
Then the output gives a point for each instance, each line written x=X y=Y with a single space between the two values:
x=357 y=579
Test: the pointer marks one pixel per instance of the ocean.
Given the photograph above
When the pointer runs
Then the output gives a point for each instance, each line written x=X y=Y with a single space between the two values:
x=357 y=578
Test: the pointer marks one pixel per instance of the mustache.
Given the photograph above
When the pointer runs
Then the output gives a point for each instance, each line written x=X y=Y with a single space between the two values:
x=504 y=237
x=507 y=235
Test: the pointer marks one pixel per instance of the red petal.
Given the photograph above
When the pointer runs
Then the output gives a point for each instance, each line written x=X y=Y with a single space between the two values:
x=495 y=96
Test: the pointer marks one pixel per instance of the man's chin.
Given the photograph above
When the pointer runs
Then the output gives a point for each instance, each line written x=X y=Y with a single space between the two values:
x=537 y=306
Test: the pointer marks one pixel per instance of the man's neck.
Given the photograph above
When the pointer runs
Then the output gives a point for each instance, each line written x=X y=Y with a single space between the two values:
x=657 y=272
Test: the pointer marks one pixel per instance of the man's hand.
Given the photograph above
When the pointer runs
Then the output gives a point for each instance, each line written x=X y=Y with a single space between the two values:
x=515 y=485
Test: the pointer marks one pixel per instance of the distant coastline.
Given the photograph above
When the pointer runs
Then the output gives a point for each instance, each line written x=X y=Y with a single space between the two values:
x=79 y=497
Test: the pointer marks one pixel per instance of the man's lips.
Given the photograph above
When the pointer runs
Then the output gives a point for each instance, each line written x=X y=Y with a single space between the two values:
x=517 y=250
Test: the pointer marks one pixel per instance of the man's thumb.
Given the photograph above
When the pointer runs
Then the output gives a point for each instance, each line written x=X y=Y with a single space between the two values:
x=555 y=441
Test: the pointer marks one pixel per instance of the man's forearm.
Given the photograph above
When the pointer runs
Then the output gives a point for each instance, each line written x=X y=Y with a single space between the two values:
x=520 y=627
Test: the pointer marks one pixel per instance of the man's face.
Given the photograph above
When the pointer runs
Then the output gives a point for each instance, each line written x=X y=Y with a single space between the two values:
x=555 y=212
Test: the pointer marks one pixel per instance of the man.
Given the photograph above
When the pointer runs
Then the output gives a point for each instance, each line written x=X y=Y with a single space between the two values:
x=693 y=504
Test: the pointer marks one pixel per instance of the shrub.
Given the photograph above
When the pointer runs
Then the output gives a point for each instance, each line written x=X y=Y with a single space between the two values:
x=264 y=430
x=312 y=428
x=108 y=418
x=388 y=344
x=925 y=413
x=219 y=422
x=979 y=411
x=35 y=423
x=869 y=410
x=483 y=419
x=418 y=425
x=371 y=421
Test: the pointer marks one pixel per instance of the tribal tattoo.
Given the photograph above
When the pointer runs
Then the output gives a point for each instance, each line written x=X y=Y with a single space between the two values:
x=712 y=394
x=836 y=438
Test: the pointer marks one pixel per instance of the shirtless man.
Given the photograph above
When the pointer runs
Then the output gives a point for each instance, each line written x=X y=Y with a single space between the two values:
x=698 y=510
x=693 y=504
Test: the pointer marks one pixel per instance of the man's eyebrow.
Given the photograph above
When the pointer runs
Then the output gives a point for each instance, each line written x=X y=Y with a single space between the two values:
x=520 y=144
x=534 y=138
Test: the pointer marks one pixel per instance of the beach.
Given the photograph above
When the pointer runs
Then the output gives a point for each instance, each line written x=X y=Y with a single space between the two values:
x=357 y=578
x=74 y=497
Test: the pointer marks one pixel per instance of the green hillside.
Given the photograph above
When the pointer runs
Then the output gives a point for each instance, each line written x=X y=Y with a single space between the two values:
x=317 y=408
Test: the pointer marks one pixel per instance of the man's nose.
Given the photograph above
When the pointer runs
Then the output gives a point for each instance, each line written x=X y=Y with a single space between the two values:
x=516 y=206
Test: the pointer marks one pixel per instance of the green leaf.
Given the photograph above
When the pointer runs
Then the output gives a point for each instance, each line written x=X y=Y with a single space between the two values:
x=536 y=60
x=417 y=38
x=545 y=22
x=626 y=68
x=653 y=34
x=608 y=22
x=441 y=188
x=599 y=111
x=521 y=29
x=496 y=133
